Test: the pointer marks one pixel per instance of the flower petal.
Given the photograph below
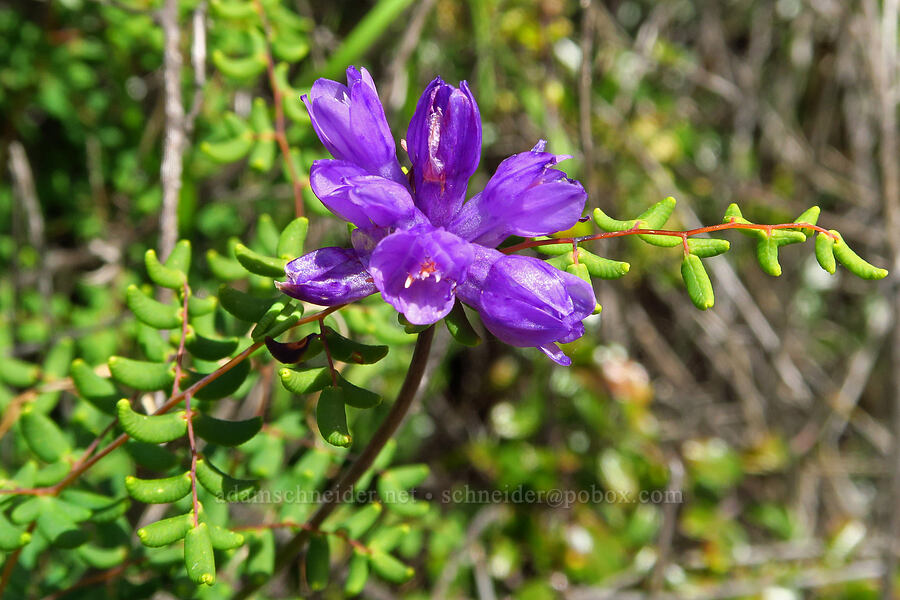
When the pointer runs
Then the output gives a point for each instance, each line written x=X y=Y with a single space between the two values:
x=327 y=276
x=365 y=200
x=350 y=122
x=526 y=197
x=444 y=144
x=526 y=302
x=417 y=271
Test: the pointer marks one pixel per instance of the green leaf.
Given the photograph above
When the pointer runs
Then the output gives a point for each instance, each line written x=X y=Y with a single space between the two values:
x=238 y=11
x=206 y=348
x=18 y=373
x=59 y=527
x=233 y=148
x=153 y=429
x=241 y=69
x=244 y=306
x=43 y=436
x=263 y=154
x=767 y=255
x=151 y=456
x=258 y=264
x=224 y=539
x=331 y=416
x=292 y=239
x=357 y=574
x=12 y=537
x=811 y=216
x=393 y=488
x=98 y=391
x=603 y=268
x=162 y=275
x=554 y=249
x=159 y=491
x=579 y=270
x=197 y=307
x=357 y=397
x=102 y=558
x=459 y=326
x=654 y=218
x=103 y=508
x=407 y=476
x=272 y=323
x=165 y=532
x=318 y=565
x=607 y=223
x=362 y=520
x=708 y=247
x=152 y=312
x=225 y=385
x=142 y=375
x=261 y=561
x=825 y=252
x=222 y=485
x=389 y=568
x=304 y=381
x=853 y=262
x=353 y=352
x=223 y=268
x=180 y=257
x=226 y=433
x=198 y=555
x=697 y=282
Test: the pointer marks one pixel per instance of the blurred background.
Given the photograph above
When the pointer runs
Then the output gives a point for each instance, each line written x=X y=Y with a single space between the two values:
x=766 y=421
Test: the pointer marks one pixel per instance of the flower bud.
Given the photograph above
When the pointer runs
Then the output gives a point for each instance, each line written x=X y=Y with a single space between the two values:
x=350 y=121
x=444 y=145
x=526 y=302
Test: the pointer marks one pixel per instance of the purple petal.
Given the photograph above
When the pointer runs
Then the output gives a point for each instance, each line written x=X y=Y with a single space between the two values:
x=555 y=354
x=525 y=197
x=417 y=271
x=365 y=200
x=444 y=144
x=350 y=122
x=327 y=276
x=526 y=302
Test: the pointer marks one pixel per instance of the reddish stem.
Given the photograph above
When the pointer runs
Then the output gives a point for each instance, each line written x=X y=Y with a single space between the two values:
x=280 y=125
x=670 y=232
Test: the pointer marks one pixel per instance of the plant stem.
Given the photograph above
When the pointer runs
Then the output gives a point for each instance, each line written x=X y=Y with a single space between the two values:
x=333 y=498
x=670 y=232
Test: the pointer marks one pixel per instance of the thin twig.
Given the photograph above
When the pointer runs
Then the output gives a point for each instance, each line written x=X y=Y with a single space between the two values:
x=173 y=144
x=669 y=232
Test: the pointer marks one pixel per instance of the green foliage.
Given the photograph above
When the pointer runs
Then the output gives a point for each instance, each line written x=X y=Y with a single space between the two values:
x=92 y=323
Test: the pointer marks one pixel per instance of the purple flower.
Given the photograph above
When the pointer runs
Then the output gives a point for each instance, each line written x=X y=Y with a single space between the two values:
x=444 y=145
x=350 y=121
x=327 y=276
x=526 y=302
x=417 y=271
x=418 y=241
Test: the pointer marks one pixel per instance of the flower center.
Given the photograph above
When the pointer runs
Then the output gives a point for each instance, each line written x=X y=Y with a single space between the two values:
x=427 y=269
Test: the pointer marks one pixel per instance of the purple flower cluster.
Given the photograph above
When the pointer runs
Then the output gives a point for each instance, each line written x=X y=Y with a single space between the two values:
x=418 y=242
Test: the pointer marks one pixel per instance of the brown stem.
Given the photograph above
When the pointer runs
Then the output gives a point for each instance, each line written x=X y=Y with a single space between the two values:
x=333 y=498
